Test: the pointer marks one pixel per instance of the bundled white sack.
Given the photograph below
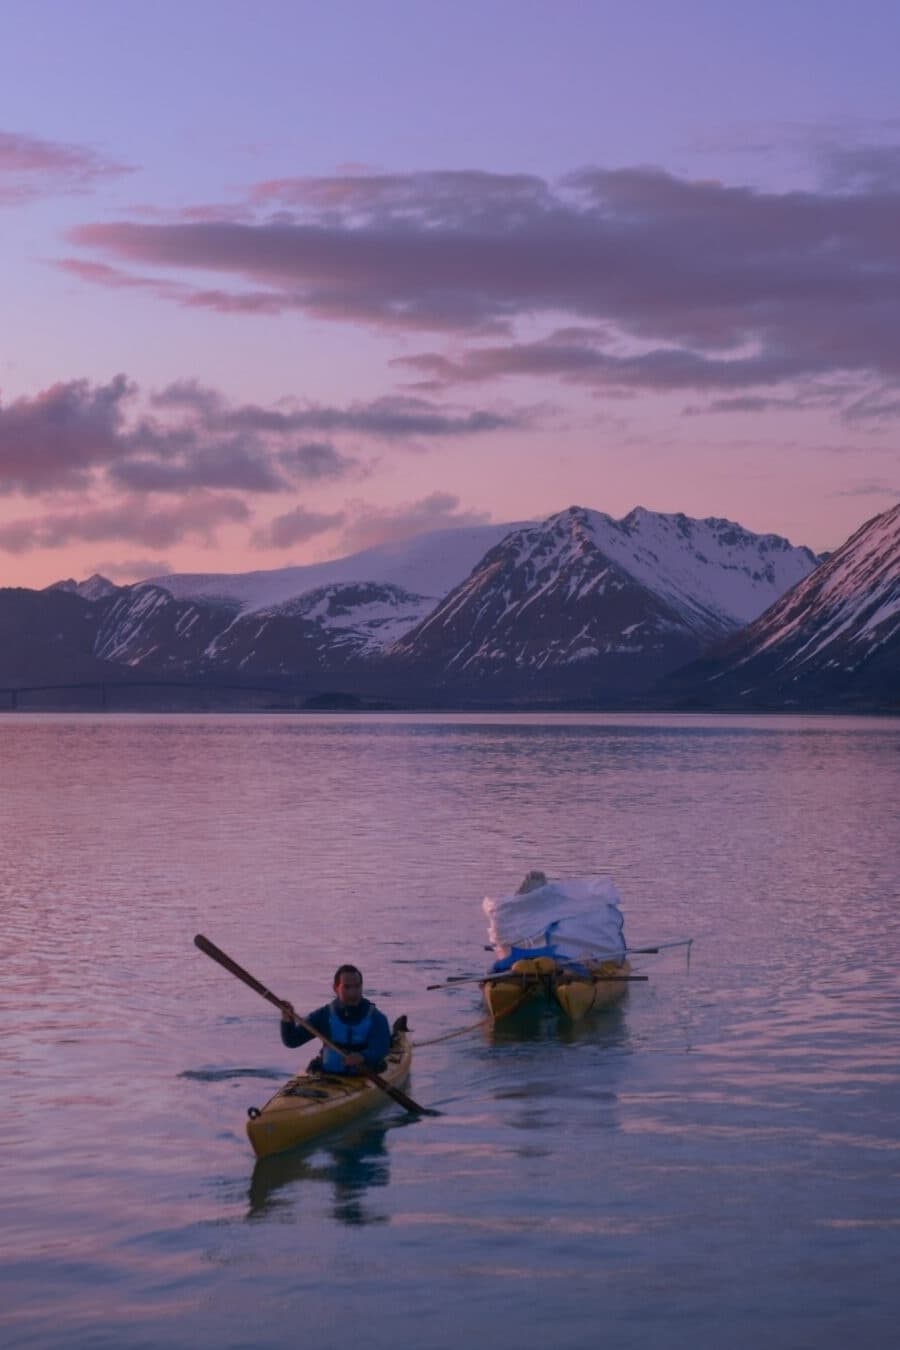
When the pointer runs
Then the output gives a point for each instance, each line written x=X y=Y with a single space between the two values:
x=577 y=920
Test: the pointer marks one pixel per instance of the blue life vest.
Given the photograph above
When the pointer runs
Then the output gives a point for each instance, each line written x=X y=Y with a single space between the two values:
x=352 y=1038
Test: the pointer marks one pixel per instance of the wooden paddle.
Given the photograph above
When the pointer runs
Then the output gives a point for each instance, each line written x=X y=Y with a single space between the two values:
x=210 y=949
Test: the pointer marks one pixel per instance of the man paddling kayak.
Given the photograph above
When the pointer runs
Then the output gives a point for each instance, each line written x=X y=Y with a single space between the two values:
x=350 y=1021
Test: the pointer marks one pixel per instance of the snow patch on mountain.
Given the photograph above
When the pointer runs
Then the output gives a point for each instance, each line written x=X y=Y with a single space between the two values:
x=711 y=567
x=850 y=603
x=376 y=614
x=429 y=565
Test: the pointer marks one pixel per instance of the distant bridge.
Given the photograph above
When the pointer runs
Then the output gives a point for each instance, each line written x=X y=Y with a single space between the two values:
x=106 y=690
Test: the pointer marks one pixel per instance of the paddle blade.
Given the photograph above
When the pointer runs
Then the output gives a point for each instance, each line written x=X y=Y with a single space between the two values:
x=221 y=958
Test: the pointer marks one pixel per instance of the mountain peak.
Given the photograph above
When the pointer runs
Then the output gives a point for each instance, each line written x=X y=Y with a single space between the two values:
x=581 y=597
x=96 y=587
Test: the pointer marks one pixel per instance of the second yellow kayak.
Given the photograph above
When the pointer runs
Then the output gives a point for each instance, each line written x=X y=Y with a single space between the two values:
x=576 y=993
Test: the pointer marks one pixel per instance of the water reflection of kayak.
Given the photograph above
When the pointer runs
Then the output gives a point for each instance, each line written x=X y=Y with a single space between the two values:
x=353 y=1162
x=313 y=1103
x=574 y=991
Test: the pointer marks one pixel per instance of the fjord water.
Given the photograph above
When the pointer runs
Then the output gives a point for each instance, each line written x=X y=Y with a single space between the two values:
x=715 y=1163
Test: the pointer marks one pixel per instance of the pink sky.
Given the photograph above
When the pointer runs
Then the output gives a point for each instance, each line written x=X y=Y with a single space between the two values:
x=280 y=286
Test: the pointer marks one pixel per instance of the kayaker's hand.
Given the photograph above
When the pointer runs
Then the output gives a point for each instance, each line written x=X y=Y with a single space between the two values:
x=287 y=1011
x=354 y=1060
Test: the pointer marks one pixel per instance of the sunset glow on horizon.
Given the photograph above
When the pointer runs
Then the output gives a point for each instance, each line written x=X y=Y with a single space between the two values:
x=284 y=284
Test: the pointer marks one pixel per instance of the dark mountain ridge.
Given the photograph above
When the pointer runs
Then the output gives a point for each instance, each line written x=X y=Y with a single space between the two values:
x=832 y=641
x=577 y=610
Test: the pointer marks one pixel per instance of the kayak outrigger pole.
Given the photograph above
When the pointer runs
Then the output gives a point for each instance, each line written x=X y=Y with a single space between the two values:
x=216 y=954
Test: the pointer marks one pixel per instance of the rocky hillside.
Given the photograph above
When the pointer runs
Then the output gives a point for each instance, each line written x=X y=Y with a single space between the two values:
x=832 y=640
x=584 y=603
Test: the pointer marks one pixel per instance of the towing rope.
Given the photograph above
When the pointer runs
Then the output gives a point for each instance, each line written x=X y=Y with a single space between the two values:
x=482 y=1024
x=449 y=1035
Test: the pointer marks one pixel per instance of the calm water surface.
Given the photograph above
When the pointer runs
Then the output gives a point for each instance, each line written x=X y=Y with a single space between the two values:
x=717 y=1163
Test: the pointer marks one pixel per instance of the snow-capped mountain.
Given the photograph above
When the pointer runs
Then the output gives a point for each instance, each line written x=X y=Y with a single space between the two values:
x=429 y=565
x=322 y=631
x=95 y=588
x=578 y=606
x=291 y=620
x=325 y=629
x=583 y=599
x=834 y=638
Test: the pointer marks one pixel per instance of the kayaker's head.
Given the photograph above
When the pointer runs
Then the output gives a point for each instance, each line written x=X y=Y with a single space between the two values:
x=348 y=985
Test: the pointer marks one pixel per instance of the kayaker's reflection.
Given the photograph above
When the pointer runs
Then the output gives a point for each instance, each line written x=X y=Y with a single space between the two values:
x=352 y=1163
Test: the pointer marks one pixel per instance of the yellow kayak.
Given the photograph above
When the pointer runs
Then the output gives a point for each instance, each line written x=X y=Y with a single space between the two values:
x=313 y=1103
x=542 y=978
x=578 y=995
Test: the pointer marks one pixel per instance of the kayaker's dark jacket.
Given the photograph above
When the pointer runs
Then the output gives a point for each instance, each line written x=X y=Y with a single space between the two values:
x=338 y=1022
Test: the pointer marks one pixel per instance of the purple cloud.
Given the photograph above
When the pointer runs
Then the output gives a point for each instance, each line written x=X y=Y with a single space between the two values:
x=132 y=569
x=102 y=274
x=184 y=460
x=860 y=168
x=390 y=418
x=315 y=461
x=877 y=488
x=295 y=527
x=699 y=285
x=59 y=438
x=131 y=519
x=31 y=167
x=586 y=362
x=74 y=435
x=175 y=462
x=368 y=526
x=876 y=405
